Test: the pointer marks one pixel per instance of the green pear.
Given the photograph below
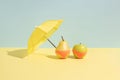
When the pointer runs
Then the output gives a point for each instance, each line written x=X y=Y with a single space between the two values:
x=63 y=45
x=63 y=49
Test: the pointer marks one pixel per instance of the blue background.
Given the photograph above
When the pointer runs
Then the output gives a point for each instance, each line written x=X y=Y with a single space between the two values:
x=95 y=23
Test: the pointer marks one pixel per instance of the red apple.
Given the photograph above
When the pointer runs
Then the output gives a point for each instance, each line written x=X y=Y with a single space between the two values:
x=79 y=51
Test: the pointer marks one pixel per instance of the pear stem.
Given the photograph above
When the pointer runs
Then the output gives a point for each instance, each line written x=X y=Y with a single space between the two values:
x=51 y=43
x=62 y=38
x=80 y=42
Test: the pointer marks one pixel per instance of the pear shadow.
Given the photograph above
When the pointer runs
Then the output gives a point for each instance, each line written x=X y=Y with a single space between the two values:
x=21 y=53
x=52 y=56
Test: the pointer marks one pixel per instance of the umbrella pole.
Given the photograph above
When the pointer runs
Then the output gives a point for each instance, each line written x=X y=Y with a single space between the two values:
x=62 y=38
x=51 y=43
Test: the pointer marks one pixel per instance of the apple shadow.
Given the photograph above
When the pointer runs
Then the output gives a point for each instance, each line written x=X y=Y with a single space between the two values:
x=20 y=53
x=72 y=57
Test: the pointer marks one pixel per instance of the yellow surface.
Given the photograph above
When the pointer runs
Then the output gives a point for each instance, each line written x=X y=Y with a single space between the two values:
x=42 y=33
x=99 y=64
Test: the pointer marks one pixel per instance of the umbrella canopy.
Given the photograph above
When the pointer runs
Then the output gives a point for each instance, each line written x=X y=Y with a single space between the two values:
x=42 y=33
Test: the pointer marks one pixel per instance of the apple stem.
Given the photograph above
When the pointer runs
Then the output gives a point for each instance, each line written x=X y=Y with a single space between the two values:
x=51 y=43
x=62 y=38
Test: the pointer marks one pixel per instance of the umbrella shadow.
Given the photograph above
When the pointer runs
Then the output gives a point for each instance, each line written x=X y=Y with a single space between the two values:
x=20 y=53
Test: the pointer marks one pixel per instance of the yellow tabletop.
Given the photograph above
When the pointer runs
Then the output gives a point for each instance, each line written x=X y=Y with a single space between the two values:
x=99 y=64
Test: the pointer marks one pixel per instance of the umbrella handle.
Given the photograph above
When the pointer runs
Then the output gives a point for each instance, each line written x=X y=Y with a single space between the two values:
x=51 y=43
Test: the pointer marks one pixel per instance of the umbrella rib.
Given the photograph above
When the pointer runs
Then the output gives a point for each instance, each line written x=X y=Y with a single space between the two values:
x=51 y=43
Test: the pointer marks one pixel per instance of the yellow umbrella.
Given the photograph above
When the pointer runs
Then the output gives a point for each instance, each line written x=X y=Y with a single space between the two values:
x=42 y=33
